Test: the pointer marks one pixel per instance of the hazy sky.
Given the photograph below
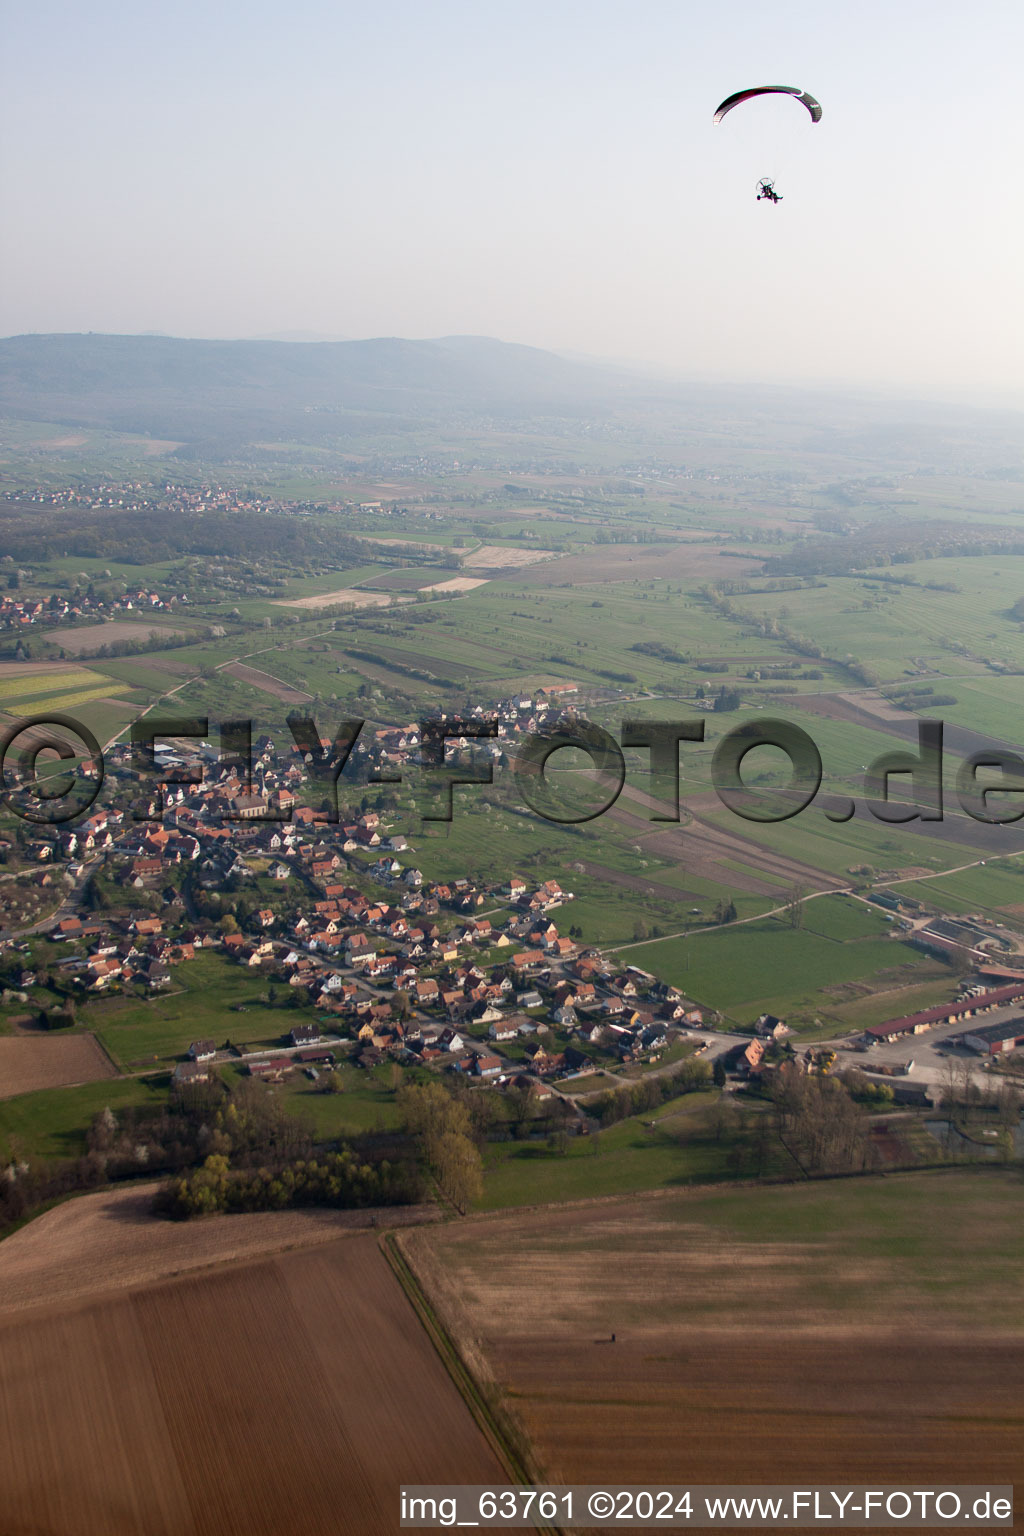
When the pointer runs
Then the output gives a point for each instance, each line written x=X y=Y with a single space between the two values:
x=541 y=172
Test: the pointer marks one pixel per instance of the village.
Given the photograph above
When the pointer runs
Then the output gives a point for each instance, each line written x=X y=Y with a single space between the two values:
x=473 y=977
x=20 y=614
x=484 y=979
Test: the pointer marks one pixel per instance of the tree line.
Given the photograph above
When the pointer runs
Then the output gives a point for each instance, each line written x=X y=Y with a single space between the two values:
x=148 y=536
x=338 y=1179
x=639 y=1098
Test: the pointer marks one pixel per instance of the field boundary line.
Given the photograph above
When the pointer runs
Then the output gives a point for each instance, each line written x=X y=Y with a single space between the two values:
x=119 y=1070
x=487 y=1416
x=768 y=1181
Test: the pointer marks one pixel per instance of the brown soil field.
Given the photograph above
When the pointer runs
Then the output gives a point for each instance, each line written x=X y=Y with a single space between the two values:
x=26 y=668
x=703 y=849
x=868 y=1331
x=342 y=595
x=110 y=1241
x=888 y=1142
x=378 y=674
x=79 y=642
x=31 y=1061
x=369 y=538
x=706 y=851
x=458 y=584
x=499 y=557
x=672 y=561
x=263 y=680
x=287 y=1394
x=880 y=708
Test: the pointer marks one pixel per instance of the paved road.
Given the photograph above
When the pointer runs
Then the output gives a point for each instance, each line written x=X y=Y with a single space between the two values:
x=70 y=906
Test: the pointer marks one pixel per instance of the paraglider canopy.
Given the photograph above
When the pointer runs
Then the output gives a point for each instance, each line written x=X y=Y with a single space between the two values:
x=804 y=97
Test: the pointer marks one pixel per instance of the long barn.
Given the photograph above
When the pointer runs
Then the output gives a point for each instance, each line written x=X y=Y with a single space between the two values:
x=946 y=1013
x=994 y=1039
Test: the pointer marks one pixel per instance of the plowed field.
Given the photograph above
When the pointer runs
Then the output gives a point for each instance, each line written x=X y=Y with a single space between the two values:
x=32 y=1061
x=292 y=1394
x=862 y=1331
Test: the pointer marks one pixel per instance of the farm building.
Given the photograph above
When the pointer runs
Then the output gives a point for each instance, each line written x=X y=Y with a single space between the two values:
x=744 y=1059
x=270 y=1067
x=202 y=1050
x=934 y=943
x=945 y=1013
x=993 y=1039
x=187 y=1072
x=915 y=1095
x=315 y=1058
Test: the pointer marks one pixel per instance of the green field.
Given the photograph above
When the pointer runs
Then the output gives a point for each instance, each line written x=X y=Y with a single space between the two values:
x=878 y=1008
x=52 y=1122
x=643 y=638
x=677 y=1149
x=993 y=888
x=201 y=1002
x=366 y=1103
x=770 y=967
x=31 y=684
x=840 y=917
x=978 y=1240
x=945 y=1243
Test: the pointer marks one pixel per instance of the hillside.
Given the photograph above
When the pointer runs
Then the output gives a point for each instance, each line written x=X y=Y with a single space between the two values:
x=218 y=397
x=174 y=387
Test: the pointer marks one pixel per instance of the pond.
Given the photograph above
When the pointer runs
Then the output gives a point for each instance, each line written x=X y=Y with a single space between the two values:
x=953 y=1140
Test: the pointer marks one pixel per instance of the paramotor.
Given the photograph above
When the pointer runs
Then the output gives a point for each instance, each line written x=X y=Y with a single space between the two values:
x=804 y=97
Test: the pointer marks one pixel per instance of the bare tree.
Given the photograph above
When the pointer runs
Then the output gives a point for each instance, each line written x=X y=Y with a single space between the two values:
x=521 y=1103
x=444 y=1126
x=458 y=1169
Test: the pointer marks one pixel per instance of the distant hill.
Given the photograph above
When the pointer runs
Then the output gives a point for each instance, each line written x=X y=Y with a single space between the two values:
x=219 y=398
x=177 y=388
